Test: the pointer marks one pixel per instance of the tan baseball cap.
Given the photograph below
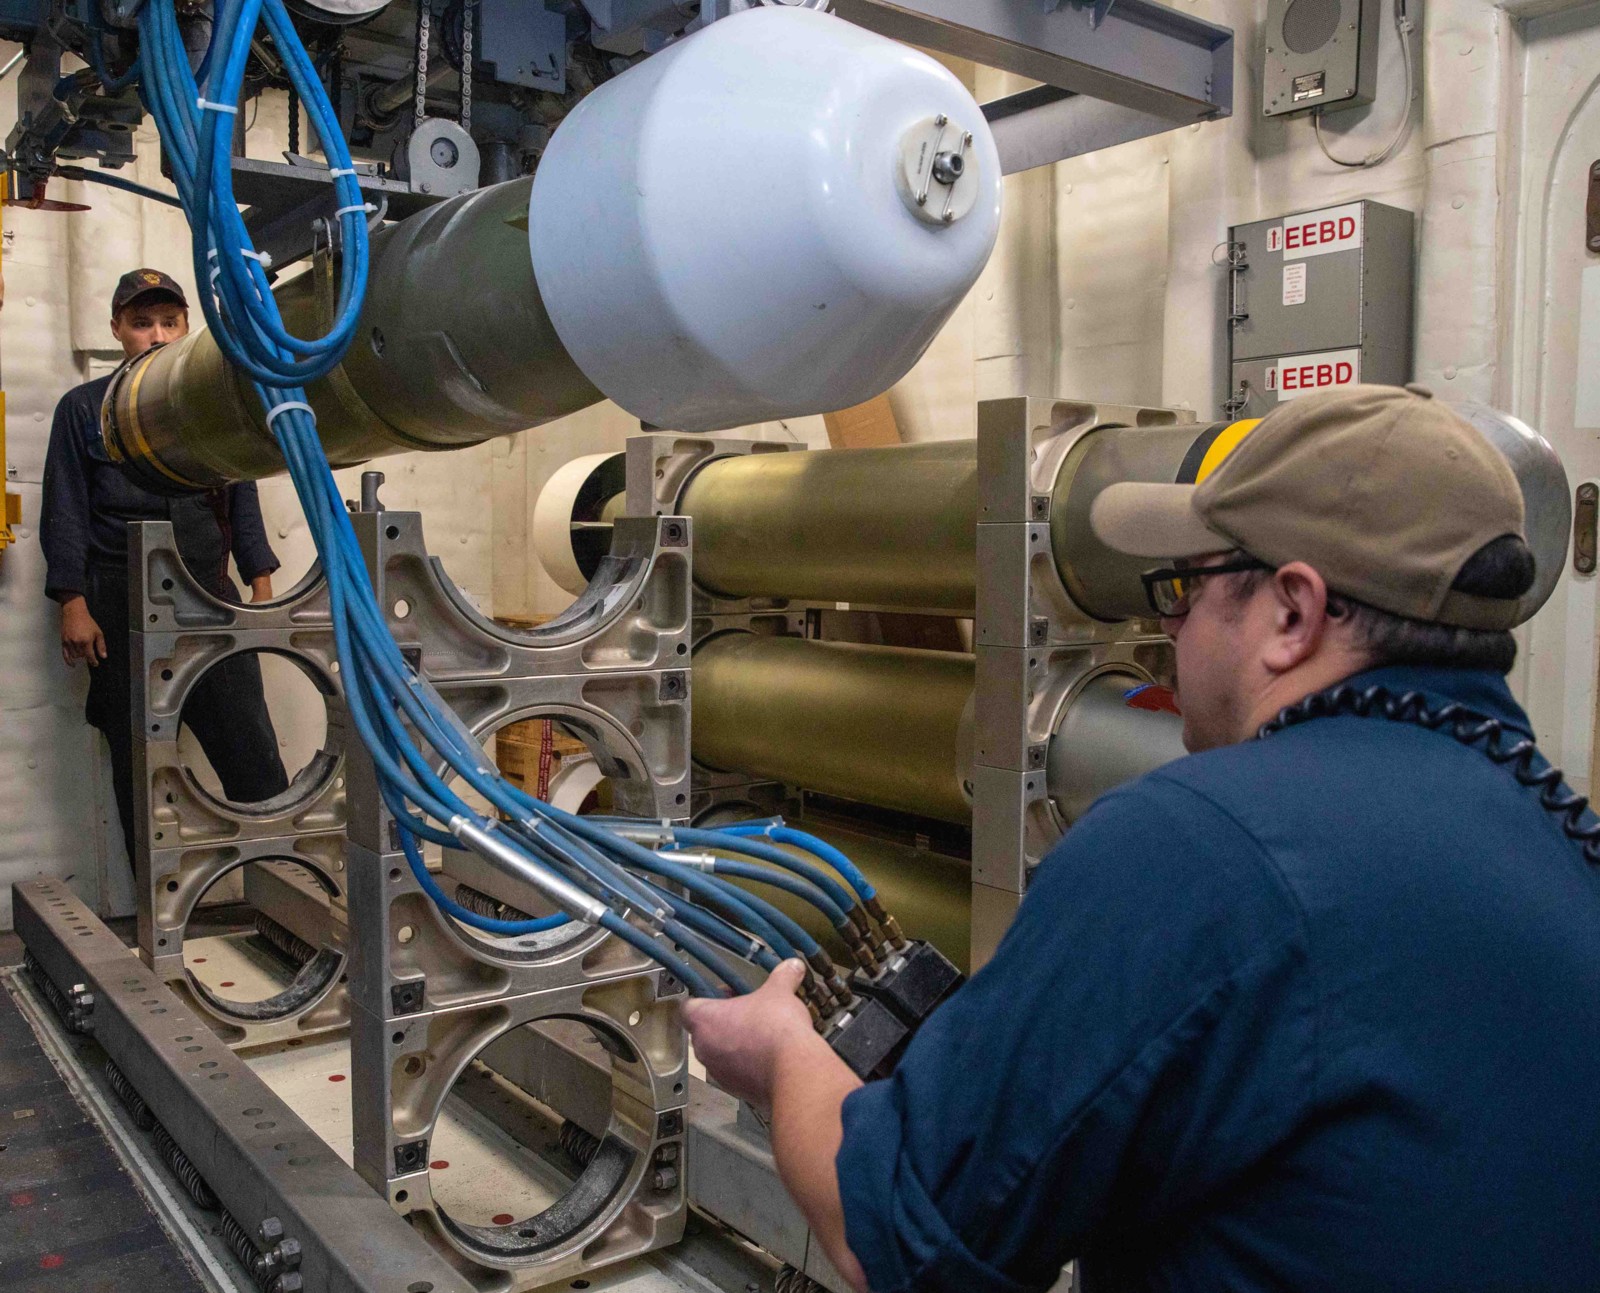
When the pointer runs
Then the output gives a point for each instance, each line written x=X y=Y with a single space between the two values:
x=1386 y=492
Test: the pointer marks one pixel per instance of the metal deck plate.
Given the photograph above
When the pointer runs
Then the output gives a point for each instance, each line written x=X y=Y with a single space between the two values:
x=71 y=1216
x=258 y=1155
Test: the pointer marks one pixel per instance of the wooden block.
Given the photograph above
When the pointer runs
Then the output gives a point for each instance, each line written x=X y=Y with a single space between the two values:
x=864 y=426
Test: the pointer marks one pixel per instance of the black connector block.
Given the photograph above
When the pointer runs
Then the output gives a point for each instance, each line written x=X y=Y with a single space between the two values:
x=911 y=983
x=869 y=1039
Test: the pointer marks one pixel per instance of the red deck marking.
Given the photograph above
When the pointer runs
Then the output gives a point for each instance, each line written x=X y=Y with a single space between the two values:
x=503 y=1218
x=22 y=1199
x=439 y=1164
x=52 y=1261
x=336 y=1077
x=226 y=983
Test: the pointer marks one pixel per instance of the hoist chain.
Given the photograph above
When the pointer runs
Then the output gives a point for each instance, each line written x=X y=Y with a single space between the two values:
x=424 y=21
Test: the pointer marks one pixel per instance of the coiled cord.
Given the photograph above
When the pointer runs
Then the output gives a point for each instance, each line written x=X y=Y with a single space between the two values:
x=1470 y=728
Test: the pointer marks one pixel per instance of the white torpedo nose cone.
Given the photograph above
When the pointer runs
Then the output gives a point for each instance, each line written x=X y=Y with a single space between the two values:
x=773 y=217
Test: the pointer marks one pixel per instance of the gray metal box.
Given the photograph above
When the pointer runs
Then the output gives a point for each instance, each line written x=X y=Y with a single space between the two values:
x=1319 y=54
x=1260 y=385
x=1318 y=299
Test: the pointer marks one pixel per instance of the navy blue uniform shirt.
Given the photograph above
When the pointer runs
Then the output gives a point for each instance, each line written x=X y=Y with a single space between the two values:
x=1319 y=1011
x=88 y=501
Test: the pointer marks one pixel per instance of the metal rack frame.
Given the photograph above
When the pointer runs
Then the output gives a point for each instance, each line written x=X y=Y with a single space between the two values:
x=187 y=839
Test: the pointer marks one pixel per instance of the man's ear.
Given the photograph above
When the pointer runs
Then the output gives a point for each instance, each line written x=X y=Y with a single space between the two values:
x=1298 y=601
x=116 y=327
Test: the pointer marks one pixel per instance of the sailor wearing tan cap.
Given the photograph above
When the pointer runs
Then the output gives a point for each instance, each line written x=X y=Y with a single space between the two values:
x=1315 y=1008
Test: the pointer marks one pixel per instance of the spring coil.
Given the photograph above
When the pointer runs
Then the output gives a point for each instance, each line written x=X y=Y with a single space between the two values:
x=577 y=1144
x=187 y=1173
x=1471 y=729
x=117 y=1080
x=72 y=1018
x=285 y=942
x=243 y=1247
x=481 y=904
x=790 y=1280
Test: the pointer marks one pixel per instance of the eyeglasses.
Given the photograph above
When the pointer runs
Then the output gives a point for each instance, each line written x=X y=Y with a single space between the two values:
x=1170 y=587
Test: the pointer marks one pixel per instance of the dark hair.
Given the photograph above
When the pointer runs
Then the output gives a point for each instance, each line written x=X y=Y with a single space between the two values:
x=1503 y=568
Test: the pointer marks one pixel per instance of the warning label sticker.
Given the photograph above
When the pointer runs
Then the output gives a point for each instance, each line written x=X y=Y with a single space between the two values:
x=1317 y=233
x=1296 y=375
x=1294 y=283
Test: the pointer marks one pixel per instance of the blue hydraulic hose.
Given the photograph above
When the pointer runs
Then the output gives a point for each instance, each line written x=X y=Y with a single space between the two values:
x=781 y=834
x=789 y=884
x=732 y=842
x=466 y=916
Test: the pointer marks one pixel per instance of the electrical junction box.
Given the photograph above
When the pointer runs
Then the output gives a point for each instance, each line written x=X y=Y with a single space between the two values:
x=1318 y=300
x=1319 y=54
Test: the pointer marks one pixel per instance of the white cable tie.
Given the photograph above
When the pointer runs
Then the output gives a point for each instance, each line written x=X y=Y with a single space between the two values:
x=337 y=171
x=205 y=105
x=361 y=206
x=285 y=407
x=262 y=258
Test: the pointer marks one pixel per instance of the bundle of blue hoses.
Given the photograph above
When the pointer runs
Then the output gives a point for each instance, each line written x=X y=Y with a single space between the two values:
x=631 y=878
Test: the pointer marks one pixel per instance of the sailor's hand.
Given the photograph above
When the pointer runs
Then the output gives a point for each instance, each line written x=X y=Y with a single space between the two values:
x=742 y=1040
x=81 y=638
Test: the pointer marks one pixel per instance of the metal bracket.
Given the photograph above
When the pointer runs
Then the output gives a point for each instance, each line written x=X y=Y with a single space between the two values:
x=1592 y=211
x=1585 y=521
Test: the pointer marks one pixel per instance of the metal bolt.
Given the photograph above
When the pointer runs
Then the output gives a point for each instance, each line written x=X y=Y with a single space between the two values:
x=664 y=1178
x=948 y=167
x=941 y=120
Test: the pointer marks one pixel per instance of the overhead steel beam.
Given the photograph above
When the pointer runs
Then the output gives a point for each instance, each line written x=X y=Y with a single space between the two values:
x=254 y=1152
x=1046 y=124
x=1129 y=68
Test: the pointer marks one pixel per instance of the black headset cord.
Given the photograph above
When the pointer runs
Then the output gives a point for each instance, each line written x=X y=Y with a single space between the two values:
x=1488 y=735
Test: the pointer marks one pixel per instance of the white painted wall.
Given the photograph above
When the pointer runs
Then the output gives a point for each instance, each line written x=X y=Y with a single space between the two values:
x=1103 y=286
